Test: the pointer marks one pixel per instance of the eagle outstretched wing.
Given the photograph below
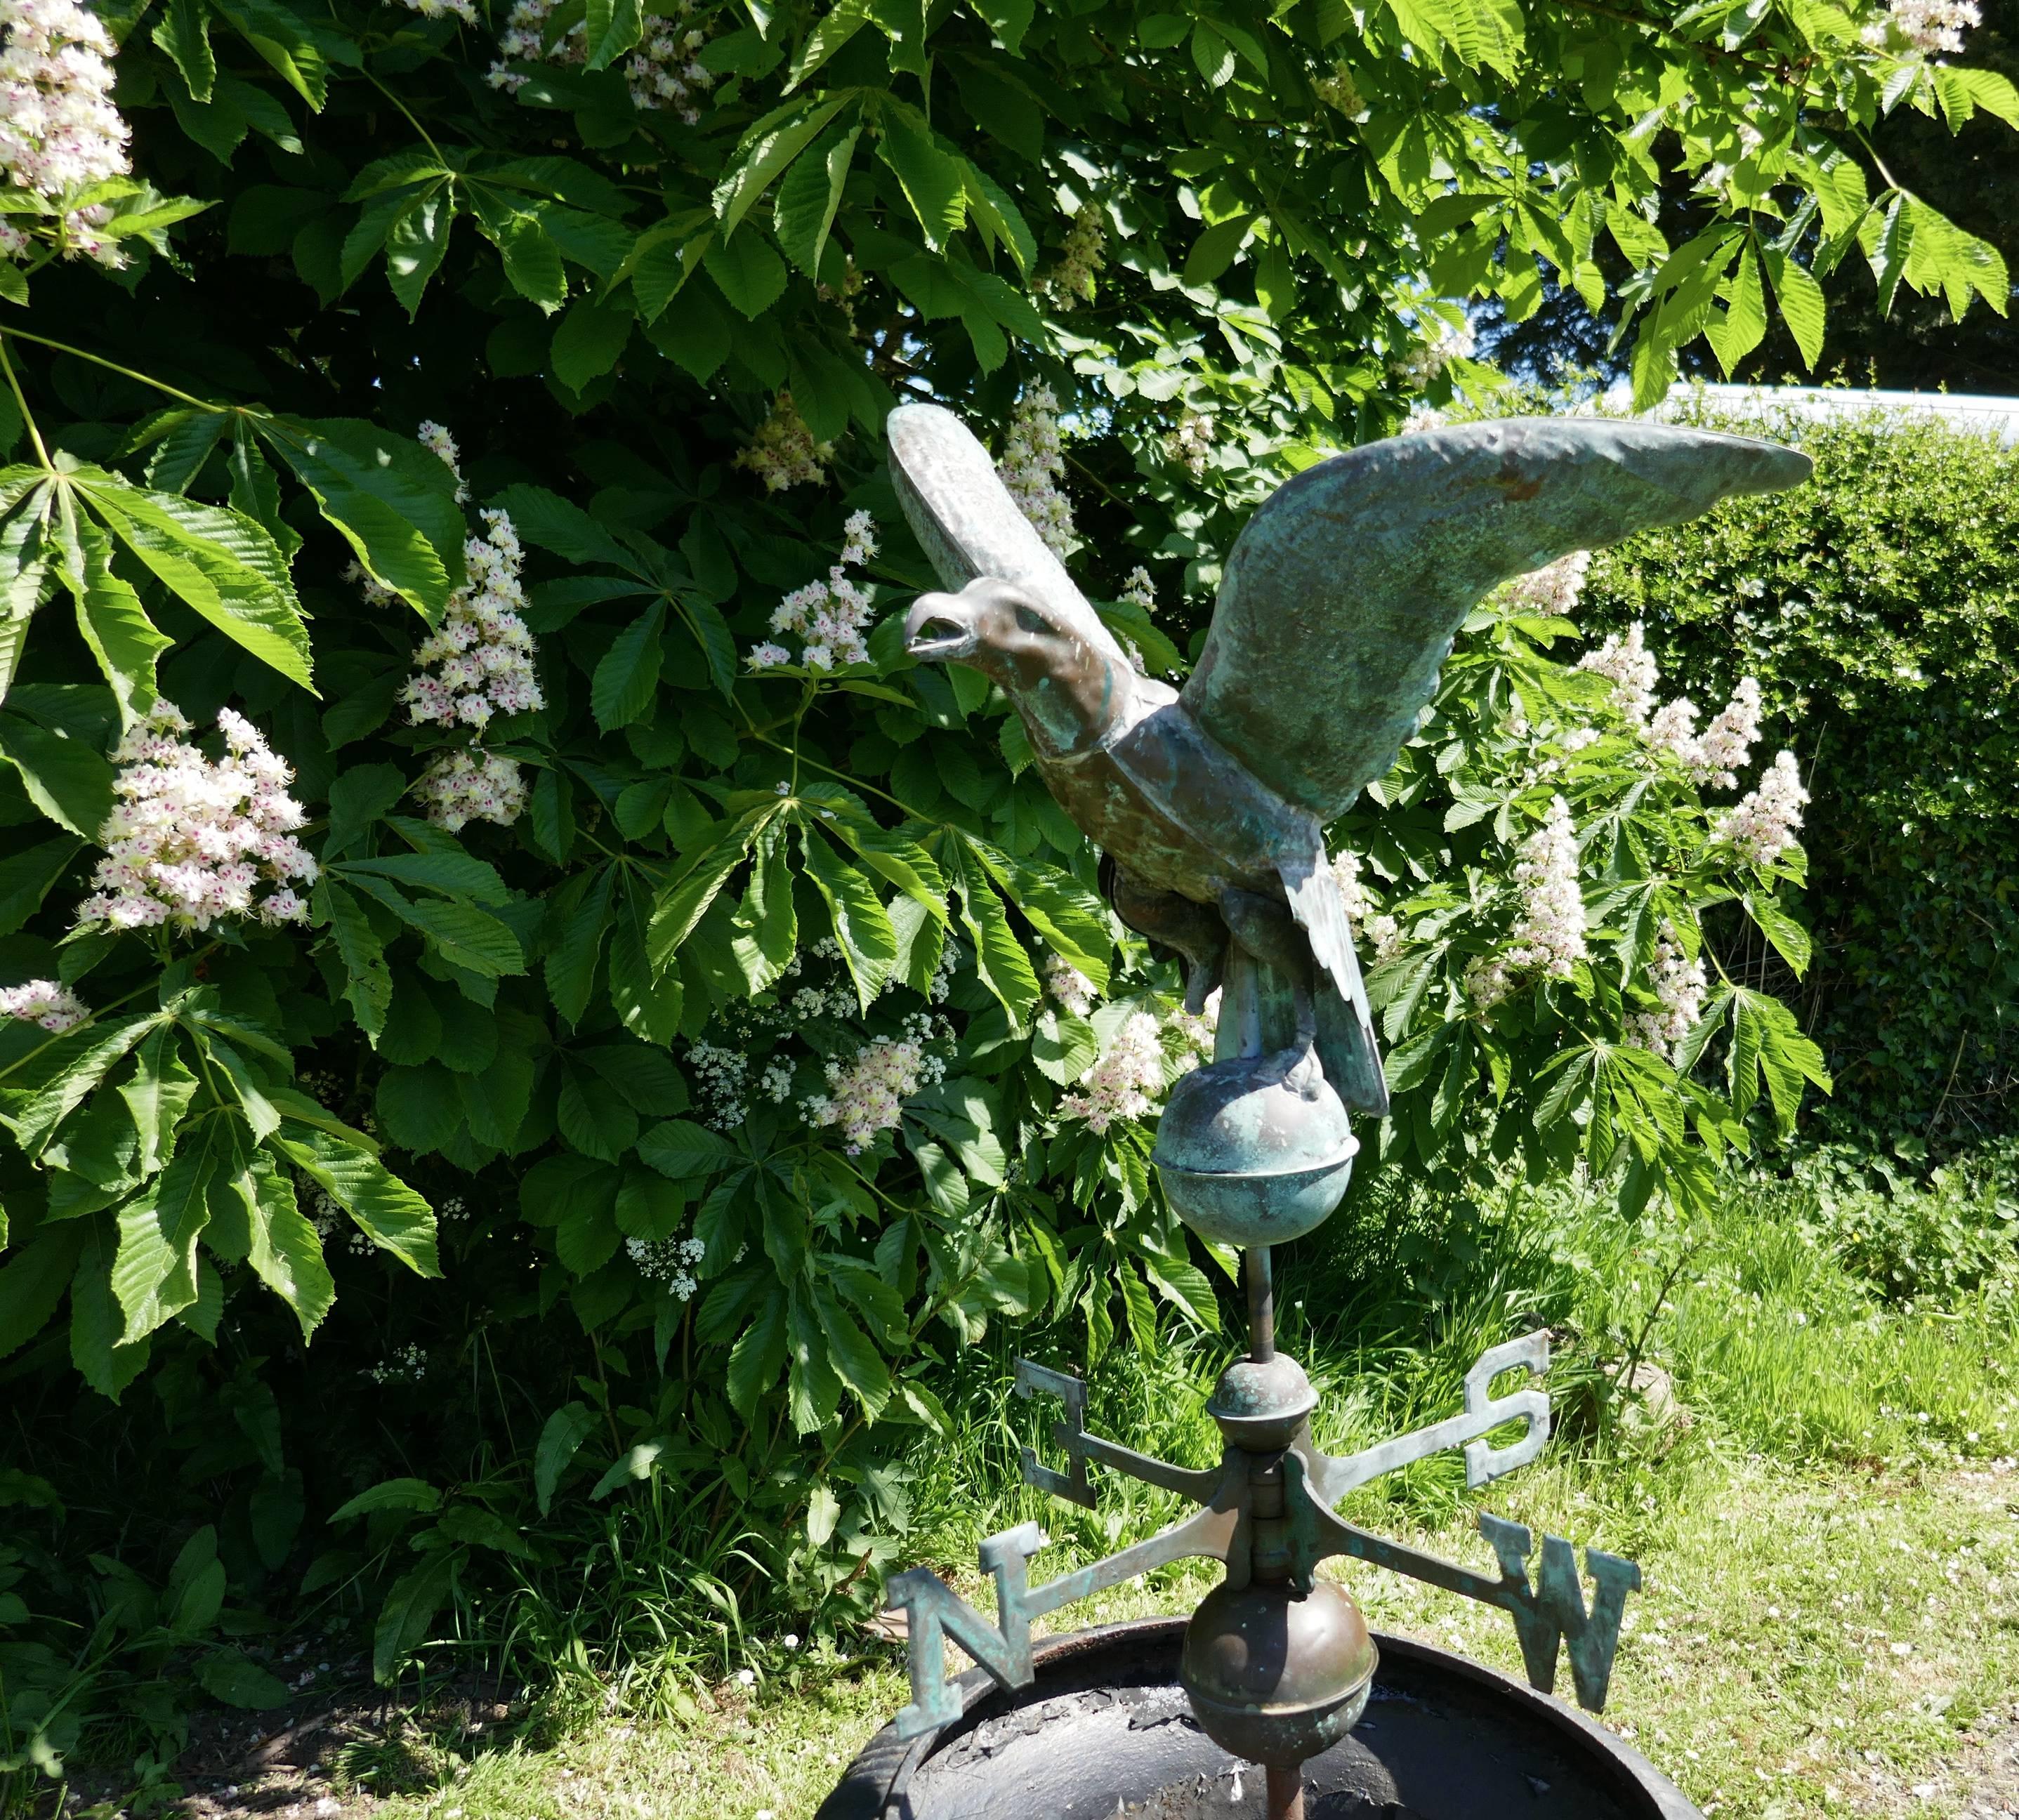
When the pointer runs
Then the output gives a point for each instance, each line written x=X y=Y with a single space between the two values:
x=1343 y=593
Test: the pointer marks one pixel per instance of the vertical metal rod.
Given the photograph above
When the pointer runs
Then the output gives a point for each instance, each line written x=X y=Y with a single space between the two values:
x=1261 y=1305
x=1286 y=1791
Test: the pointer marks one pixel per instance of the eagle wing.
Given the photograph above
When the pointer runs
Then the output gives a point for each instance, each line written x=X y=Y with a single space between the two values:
x=1344 y=592
x=1346 y=1047
x=968 y=523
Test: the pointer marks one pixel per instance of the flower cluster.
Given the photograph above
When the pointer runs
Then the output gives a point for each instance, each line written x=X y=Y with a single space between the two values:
x=1070 y=282
x=319 y=1208
x=664 y=71
x=829 y=616
x=191 y=838
x=1126 y=1081
x=1190 y=443
x=783 y=452
x=437 y=441
x=59 y=129
x=1339 y=90
x=1032 y=462
x=1195 y=1036
x=462 y=9
x=1554 y=588
x=721 y=1075
x=43 y=1002
x=1679 y=985
x=1070 y=988
x=868 y=1096
x=1550 y=932
x=661 y=73
x=1383 y=930
x=1763 y=823
x=1548 y=936
x=481 y=659
x=1139 y=590
x=469 y=785
x=1715 y=755
x=1628 y=664
x=405 y=1364
x=1927 y=26
x=1427 y=358
x=671 y=1261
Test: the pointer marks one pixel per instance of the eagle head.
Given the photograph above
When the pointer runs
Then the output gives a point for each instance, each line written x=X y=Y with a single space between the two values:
x=1068 y=690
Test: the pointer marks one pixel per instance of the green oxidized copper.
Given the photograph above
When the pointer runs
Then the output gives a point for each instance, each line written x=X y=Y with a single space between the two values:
x=1339 y=603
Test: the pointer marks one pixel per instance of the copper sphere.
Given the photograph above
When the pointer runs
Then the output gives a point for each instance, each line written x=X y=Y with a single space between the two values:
x=1273 y=1678
x=1248 y=1159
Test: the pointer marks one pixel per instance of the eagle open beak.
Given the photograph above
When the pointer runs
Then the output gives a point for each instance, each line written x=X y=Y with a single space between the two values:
x=940 y=628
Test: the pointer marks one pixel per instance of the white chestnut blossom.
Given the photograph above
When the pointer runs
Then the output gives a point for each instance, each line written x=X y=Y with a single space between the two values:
x=661 y=73
x=480 y=663
x=1549 y=936
x=470 y=784
x=1714 y=756
x=1628 y=664
x=60 y=132
x=1139 y=590
x=1196 y=1036
x=192 y=838
x=1190 y=443
x=44 y=1002
x=1126 y=1080
x=1930 y=27
x=1383 y=931
x=1762 y=824
x=462 y=9
x=867 y=1096
x=1555 y=588
x=437 y=441
x=1427 y=358
x=1070 y=282
x=1549 y=933
x=1726 y=743
x=830 y=618
x=1070 y=988
x=1678 y=986
x=1033 y=460
x=783 y=452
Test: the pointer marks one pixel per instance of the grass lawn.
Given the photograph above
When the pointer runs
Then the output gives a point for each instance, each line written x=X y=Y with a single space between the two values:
x=1819 y=1485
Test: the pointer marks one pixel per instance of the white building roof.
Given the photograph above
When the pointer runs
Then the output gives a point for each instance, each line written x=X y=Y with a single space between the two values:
x=1984 y=414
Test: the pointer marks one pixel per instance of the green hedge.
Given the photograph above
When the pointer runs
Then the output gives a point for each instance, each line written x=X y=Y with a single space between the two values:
x=1879 y=609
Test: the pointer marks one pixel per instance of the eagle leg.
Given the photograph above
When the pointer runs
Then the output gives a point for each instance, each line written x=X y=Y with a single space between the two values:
x=1266 y=929
x=1174 y=925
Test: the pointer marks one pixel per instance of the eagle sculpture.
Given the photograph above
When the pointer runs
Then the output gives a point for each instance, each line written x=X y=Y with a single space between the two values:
x=1338 y=606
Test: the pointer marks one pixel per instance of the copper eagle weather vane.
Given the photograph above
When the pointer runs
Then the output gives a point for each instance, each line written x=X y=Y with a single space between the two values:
x=1339 y=602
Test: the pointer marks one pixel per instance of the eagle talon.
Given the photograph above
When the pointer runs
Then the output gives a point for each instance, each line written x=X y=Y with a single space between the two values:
x=1297 y=1068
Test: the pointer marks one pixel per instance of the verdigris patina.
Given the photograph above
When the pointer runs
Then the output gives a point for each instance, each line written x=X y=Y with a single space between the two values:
x=1339 y=603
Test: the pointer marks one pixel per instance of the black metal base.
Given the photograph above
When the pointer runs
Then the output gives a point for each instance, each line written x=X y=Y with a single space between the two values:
x=1105 y=1729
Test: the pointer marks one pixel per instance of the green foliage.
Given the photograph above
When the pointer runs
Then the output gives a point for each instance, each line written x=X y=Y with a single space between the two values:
x=1955 y=1235
x=553 y=1129
x=1879 y=609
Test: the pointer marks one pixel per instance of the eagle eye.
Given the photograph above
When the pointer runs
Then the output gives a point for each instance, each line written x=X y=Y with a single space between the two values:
x=1029 y=622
